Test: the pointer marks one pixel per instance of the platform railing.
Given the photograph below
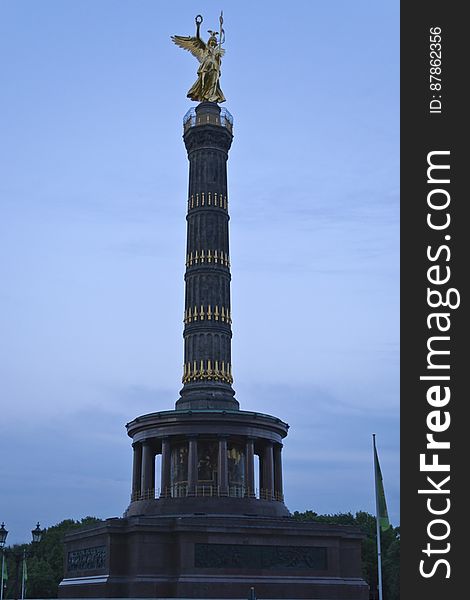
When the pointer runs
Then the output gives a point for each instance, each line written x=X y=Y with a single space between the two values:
x=191 y=119
x=182 y=490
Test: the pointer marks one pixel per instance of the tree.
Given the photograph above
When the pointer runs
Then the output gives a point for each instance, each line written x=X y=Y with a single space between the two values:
x=390 y=548
x=391 y=568
x=46 y=561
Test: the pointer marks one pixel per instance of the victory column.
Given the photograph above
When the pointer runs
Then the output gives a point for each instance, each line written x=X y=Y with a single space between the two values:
x=207 y=525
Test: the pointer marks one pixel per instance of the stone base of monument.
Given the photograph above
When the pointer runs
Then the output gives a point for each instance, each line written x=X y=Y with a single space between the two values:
x=210 y=556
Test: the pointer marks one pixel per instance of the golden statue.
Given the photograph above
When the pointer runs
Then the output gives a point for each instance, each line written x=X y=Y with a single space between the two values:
x=206 y=88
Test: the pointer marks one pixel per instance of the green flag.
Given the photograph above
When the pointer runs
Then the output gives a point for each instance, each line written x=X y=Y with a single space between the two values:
x=382 y=514
x=5 y=570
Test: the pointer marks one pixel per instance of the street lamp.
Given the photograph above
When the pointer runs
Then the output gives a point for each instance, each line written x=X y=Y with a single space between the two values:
x=18 y=555
x=3 y=535
x=36 y=534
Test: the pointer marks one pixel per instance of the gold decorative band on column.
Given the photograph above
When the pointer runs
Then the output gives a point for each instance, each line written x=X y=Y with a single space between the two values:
x=201 y=257
x=207 y=370
x=218 y=200
x=208 y=313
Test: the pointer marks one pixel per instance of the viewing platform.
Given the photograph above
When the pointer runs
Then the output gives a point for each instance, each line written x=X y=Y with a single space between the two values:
x=222 y=119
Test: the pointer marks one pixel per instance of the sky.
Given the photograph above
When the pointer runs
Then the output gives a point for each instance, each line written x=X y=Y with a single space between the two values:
x=93 y=189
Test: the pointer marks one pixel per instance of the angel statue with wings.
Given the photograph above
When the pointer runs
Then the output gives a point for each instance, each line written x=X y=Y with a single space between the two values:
x=206 y=88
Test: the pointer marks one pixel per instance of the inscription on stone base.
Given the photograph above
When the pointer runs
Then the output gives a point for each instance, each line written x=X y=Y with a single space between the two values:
x=234 y=556
x=86 y=559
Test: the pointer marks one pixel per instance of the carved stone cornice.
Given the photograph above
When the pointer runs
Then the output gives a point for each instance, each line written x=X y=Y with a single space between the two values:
x=213 y=137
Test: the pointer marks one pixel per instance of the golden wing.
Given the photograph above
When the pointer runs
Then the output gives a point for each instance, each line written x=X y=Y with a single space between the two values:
x=195 y=45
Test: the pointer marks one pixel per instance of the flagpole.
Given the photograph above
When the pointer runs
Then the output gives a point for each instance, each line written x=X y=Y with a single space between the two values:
x=379 y=550
x=23 y=575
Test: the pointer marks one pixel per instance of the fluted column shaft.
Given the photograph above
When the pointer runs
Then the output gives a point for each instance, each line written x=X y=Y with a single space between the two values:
x=207 y=371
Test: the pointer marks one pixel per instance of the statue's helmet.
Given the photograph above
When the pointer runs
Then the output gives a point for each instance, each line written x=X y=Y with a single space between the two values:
x=212 y=41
